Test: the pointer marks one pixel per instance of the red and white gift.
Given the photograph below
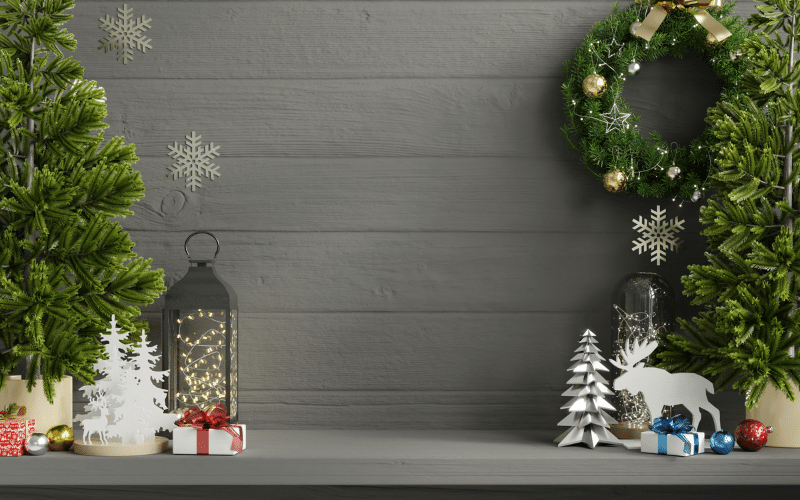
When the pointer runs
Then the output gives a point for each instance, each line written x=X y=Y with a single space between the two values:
x=14 y=433
x=207 y=433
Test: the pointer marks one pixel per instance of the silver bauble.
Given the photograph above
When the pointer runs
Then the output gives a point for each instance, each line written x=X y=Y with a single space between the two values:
x=635 y=26
x=37 y=444
x=735 y=55
x=673 y=172
x=634 y=68
x=697 y=195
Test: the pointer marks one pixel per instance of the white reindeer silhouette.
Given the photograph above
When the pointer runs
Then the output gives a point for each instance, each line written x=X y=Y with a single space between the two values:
x=97 y=425
x=660 y=387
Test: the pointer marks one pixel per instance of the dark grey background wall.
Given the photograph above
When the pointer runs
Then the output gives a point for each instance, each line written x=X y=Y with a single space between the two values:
x=413 y=243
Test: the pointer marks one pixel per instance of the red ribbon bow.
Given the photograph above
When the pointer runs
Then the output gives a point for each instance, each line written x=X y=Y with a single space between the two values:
x=215 y=418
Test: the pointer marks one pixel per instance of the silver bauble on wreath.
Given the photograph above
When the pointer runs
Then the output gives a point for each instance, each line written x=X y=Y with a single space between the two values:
x=673 y=172
x=697 y=195
x=635 y=26
x=634 y=68
x=37 y=444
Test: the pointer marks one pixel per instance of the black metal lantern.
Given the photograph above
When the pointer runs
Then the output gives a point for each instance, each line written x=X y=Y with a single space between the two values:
x=200 y=339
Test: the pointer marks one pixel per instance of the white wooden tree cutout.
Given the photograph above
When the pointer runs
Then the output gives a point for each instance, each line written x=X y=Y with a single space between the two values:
x=587 y=419
x=660 y=387
x=125 y=403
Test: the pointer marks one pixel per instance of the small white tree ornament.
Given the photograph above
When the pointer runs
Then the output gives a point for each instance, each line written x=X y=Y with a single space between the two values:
x=125 y=403
x=587 y=419
x=660 y=387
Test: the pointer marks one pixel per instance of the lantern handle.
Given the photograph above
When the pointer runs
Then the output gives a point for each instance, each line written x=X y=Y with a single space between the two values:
x=186 y=244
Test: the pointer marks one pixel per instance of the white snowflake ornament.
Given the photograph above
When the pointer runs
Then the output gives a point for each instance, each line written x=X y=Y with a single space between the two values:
x=124 y=33
x=657 y=235
x=193 y=161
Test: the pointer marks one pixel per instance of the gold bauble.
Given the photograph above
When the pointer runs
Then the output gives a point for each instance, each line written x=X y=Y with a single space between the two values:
x=711 y=41
x=60 y=437
x=614 y=180
x=594 y=85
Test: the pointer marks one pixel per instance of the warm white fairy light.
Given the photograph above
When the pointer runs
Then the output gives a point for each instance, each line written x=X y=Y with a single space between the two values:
x=197 y=385
x=702 y=186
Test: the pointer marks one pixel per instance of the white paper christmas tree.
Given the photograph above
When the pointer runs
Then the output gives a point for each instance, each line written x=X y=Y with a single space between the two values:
x=125 y=403
x=587 y=419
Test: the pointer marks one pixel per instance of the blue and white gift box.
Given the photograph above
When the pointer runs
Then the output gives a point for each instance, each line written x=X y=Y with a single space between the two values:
x=673 y=437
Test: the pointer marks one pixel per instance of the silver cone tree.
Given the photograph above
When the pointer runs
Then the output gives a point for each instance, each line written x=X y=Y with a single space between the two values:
x=587 y=419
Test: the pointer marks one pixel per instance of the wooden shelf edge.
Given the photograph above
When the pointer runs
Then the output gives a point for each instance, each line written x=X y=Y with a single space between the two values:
x=373 y=458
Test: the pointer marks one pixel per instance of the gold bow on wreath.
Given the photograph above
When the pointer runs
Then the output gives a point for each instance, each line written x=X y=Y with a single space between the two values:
x=696 y=7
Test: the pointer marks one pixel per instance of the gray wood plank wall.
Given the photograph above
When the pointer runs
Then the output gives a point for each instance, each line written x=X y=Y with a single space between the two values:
x=413 y=243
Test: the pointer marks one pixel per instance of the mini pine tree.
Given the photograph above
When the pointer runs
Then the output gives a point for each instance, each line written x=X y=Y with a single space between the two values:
x=125 y=400
x=746 y=334
x=66 y=267
x=587 y=419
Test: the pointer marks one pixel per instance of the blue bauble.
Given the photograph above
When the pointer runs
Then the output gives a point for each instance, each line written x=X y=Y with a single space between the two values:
x=722 y=442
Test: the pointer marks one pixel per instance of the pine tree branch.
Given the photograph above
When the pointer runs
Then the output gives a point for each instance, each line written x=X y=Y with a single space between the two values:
x=763 y=183
x=51 y=138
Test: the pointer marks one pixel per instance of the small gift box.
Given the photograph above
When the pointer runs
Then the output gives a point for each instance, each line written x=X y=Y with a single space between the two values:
x=672 y=437
x=208 y=433
x=13 y=435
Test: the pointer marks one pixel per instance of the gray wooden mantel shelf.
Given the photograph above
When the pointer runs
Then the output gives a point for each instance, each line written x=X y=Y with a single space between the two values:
x=408 y=457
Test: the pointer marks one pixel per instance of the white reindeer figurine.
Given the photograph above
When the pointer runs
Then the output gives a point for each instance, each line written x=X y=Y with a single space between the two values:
x=660 y=387
x=97 y=425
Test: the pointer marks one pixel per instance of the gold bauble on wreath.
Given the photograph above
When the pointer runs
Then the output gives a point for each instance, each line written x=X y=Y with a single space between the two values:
x=614 y=180
x=594 y=85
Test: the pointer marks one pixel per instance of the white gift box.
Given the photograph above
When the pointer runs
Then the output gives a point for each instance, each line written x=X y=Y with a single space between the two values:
x=672 y=444
x=185 y=441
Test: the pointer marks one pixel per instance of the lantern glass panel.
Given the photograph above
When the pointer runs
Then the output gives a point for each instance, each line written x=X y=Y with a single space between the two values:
x=202 y=356
x=234 y=371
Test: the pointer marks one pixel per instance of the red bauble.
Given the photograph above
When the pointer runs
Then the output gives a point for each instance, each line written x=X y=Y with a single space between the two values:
x=751 y=435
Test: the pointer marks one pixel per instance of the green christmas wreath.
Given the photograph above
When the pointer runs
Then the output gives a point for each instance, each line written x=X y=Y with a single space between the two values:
x=600 y=124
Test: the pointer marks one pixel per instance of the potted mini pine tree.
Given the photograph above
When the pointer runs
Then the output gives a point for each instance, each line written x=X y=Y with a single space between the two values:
x=747 y=332
x=67 y=267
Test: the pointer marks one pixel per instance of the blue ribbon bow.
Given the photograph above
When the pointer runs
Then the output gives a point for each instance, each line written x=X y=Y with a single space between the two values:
x=678 y=425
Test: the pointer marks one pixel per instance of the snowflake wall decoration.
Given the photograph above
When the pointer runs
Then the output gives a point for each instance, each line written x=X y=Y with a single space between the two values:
x=193 y=161
x=124 y=33
x=657 y=235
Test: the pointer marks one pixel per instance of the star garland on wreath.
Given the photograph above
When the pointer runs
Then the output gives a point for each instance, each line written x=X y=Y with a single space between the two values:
x=600 y=124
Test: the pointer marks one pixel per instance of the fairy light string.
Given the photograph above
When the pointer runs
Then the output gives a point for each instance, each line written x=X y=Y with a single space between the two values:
x=202 y=347
x=635 y=327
